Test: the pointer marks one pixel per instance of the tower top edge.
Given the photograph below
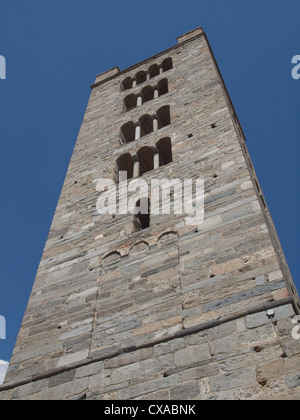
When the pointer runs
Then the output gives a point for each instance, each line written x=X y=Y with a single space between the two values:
x=112 y=73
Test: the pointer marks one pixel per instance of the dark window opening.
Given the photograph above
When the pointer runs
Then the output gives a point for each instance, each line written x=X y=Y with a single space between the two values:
x=146 y=123
x=167 y=64
x=128 y=132
x=125 y=164
x=130 y=102
x=164 y=117
x=127 y=84
x=140 y=77
x=142 y=218
x=164 y=147
x=163 y=87
x=146 y=159
x=154 y=70
x=148 y=93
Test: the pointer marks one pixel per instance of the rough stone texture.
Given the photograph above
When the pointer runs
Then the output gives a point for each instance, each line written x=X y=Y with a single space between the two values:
x=174 y=311
x=218 y=363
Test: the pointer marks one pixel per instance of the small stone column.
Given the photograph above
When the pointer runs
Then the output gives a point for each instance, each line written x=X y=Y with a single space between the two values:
x=156 y=159
x=136 y=167
x=139 y=101
x=137 y=132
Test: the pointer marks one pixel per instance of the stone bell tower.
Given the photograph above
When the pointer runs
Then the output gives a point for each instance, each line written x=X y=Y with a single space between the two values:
x=144 y=305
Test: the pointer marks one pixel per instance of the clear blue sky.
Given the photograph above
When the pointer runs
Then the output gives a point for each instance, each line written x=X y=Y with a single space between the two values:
x=54 y=49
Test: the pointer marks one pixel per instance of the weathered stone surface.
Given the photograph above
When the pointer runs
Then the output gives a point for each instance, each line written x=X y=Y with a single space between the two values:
x=173 y=311
x=233 y=380
x=293 y=381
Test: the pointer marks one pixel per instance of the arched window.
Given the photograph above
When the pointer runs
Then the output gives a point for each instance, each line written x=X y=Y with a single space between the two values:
x=154 y=70
x=164 y=117
x=148 y=93
x=146 y=159
x=130 y=102
x=142 y=217
x=140 y=77
x=146 y=123
x=128 y=132
x=163 y=87
x=164 y=147
x=127 y=84
x=125 y=164
x=167 y=64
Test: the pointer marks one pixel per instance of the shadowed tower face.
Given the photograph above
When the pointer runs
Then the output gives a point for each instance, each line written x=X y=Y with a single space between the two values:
x=131 y=303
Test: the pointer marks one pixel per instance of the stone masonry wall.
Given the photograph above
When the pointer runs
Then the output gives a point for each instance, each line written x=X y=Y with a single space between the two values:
x=252 y=357
x=174 y=311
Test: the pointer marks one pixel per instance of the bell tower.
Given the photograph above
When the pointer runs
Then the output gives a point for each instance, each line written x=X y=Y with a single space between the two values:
x=135 y=301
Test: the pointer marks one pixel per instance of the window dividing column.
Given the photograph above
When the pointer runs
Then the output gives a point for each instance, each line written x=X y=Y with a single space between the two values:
x=156 y=158
x=136 y=167
x=137 y=132
x=139 y=101
x=155 y=123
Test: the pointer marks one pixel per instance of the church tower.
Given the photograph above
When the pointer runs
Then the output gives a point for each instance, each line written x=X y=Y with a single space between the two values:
x=131 y=303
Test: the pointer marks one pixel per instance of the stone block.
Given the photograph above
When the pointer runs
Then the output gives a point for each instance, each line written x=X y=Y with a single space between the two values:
x=191 y=354
x=293 y=381
x=186 y=391
x=126 y=373
x=257 y=320
x=233 y=380
x=73 y=358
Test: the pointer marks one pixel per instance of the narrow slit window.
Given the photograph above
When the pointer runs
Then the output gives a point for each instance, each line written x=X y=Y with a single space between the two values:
x=142 y=217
